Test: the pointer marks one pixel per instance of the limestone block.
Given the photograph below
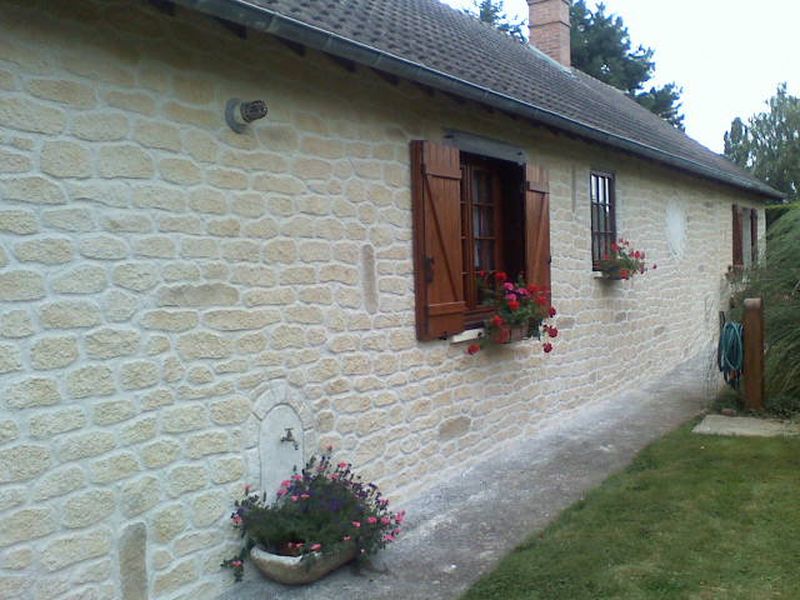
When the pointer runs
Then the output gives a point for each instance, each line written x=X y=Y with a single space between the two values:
x=120 y=306
x=189 y=224
x=111 y=343
x=157 y=398
x=85 y=445
x=199 y=248
x=64 y=91
x=23 y=462
x=99 y=126
x=168 y=522
x=86 y=279
x=231 y=411
x=178 y=576
x=159 y=198
x=131 y=101
x=224 y=227
x=9 y=359
x=214 y=294
x=9 y=431
x=200 y=145
x=48 y=251
x=139 y=495
x=186 y=478
x=124 y=160
x=87 y=508
x=139 y=375
x=203 y=444
x=180 y=171
x=186 y=417
x=65 y=159
x=180 y=113
x=239 y=320
x=47 y=425
x=75 y=548
x=18 y=559
x=139 y=431
x=155 y=247
x=110 y=412
x=170 y=320
x=194 y=541
x=253 y=276
x=228 y=179
x=160 y=453
x=209 y=508
x=138 y=277
x=19 y=222
x=91 y=381
x=59 y=482
x=157 y=134
x=17 y=286
x=20 y=112
x=114 y=468
x=227 y=469
x=103 y=247
x=31 y=392
x=192 y=346
x=27 y=524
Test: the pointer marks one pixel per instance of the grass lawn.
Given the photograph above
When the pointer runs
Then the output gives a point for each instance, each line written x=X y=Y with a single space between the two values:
x=693 y=517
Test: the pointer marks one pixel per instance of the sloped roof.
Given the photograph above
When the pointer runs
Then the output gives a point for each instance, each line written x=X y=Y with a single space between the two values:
x=430 y=42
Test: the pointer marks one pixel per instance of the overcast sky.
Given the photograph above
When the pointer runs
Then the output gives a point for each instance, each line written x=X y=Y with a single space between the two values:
x=728 y=55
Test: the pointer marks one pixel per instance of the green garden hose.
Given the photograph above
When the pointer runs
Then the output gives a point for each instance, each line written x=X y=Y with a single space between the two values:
x=730 y=352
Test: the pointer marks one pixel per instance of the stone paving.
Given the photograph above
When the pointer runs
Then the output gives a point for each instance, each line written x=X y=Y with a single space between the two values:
x=459 y=531
x=745 y=426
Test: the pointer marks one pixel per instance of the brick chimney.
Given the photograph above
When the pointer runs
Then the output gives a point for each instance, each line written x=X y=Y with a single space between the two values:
x=549 y=25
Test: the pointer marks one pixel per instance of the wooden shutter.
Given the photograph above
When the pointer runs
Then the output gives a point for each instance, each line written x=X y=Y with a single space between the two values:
x=438 y=272
x=754 y=236
x=537 y=227
x=738 y=242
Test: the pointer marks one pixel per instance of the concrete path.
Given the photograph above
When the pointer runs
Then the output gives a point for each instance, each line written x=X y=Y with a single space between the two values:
x=746 y=426
x=461 y=530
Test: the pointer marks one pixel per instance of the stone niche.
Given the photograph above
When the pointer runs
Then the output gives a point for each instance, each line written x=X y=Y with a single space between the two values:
x=286 y=436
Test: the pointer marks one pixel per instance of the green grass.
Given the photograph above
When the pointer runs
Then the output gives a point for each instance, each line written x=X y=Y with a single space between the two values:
x=694 y=517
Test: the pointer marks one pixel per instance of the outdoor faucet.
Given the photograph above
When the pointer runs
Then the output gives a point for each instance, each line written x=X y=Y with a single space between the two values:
x=288 y=437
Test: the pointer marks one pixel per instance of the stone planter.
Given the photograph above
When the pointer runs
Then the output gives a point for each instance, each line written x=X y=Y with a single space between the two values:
x=296 y=570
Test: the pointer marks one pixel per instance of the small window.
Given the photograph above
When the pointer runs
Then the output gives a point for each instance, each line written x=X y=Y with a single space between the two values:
x=604 y=218
x=745 y=237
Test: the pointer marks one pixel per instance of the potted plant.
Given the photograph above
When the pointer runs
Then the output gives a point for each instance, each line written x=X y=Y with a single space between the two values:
x=519 y=311
x=320 y=519
x=623 y=261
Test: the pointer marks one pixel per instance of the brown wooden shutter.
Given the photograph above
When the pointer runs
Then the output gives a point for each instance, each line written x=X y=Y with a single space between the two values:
x=754 y=236
x=738 y=245
x=537 y=227
x=436 y=205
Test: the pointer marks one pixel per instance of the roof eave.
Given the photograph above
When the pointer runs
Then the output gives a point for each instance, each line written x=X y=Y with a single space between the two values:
x=260 y=18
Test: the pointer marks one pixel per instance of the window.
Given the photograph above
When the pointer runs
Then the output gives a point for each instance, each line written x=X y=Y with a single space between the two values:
x=745 y=237
x=472 y=213
x=492 y=238
x=604 y=219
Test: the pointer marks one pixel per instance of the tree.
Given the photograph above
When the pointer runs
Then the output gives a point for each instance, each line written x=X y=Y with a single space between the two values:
x=769 y=144
x=492 y=13
x=601 y=47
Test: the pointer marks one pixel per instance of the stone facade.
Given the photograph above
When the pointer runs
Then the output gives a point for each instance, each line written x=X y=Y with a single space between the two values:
x=159 y=273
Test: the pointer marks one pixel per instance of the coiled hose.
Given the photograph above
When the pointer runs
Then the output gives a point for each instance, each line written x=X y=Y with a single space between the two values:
x=730 y=352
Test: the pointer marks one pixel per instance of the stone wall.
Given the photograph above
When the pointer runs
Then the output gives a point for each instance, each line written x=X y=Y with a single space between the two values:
x=161 y=277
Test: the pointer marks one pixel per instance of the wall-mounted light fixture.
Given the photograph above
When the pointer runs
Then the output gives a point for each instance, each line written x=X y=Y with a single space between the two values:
x=239 y=113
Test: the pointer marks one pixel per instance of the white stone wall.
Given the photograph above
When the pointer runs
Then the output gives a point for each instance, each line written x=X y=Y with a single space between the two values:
x=159 y=275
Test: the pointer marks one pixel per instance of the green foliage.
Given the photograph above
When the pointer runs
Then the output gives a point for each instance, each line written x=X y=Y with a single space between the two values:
x=693 y=517
x=601 y=47
x=492 y=12
x=318 y=510
x=777 y=280
x=769 y=144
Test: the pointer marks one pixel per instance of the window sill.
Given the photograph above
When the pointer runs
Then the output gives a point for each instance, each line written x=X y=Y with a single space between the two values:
x=466 y=336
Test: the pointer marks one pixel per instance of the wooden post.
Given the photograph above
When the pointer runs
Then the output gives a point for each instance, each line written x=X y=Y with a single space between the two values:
x=754 y=354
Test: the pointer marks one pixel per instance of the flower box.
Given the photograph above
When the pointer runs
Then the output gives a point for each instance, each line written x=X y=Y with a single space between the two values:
x=300 y=570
